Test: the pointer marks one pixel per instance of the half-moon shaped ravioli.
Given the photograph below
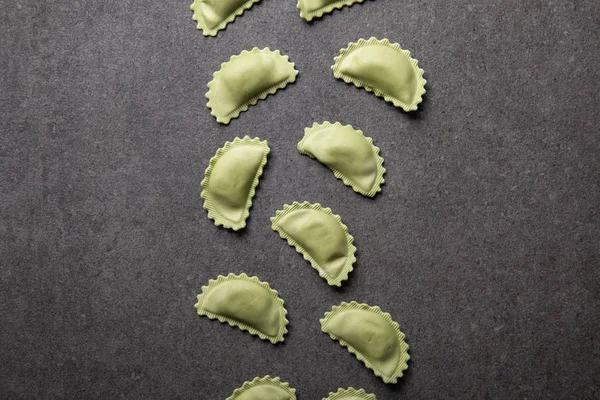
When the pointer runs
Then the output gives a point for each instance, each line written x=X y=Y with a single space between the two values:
x=310 y=9
x=247 y=303
x=212 y=16
x=231 y=180
x=245 y=79
x=320 y=236
x=350 y=394
x=371 y=335
x=384 y=69
x=265 y=388
x=348 y=153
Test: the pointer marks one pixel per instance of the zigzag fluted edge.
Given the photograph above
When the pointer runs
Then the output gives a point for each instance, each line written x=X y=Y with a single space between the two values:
x=206 y=31
x=265 y=380
x=225 y=119
x=208 y=206
x=404 y=356
x=420 y=91
x=350 y=258
x=376 y=188
x=342 y=394
x=273 y=293
x=309 y=15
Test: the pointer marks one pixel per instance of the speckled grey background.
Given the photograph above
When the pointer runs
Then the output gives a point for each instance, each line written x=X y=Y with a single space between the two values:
x=483 y=245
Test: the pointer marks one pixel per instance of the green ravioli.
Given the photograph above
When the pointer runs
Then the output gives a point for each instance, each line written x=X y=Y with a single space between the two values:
x=348 y=153
x=245 y=79
x=320 y=236
x=371 y=335
x=384 y=69
x=212 y=16
x=247 y=303
x=265 y=388
x=310 y=9
x=231 y=179
x=350 y=394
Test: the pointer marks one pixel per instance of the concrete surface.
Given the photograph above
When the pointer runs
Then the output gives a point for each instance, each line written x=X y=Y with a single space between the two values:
x=483 y=245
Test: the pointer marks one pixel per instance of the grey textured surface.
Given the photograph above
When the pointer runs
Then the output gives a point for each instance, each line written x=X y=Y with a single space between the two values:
x=483 y=245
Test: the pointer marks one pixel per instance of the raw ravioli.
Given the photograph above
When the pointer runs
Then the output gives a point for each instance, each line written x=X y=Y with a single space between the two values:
x=348 y=153
x=247 y=303
x=212 y=16
x=231 y=180
x=371 y=335
x=310 y=9
x=320 y=236
x=245 y=79
x=384 y=69
x=265 y=388
x=350 y=394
